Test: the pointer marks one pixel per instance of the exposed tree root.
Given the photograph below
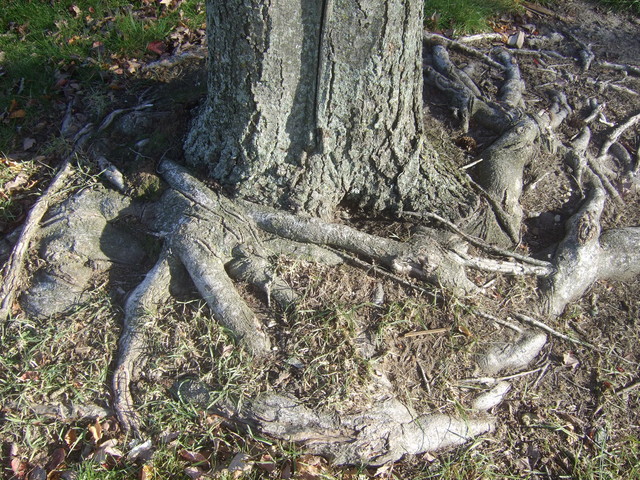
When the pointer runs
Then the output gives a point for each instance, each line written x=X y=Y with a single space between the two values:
x=384 y=433
x=142 y=305
x=585 y=256
x=215 y=239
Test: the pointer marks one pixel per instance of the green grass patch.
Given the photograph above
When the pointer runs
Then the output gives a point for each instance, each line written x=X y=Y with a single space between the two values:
x=44 y=45
x=625 y=5
x=464 y=16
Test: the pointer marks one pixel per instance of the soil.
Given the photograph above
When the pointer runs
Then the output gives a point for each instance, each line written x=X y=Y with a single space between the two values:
x=424 y=347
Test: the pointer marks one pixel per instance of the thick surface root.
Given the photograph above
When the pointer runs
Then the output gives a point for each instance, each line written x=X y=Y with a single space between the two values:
x=141 y=307
x=585 y=256
x=382 y=434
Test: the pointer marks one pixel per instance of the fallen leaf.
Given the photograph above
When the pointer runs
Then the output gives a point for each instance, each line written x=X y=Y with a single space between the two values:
x=465 y=331
x=19 y=467
x=57 y=457
x=27 y=143
x=267 y=463
x=383 y=470
x=9 y=187
x=38 y=473
x=96 y=431
x=142 y=451
x=310 y=467
x=570 y=360
x=194 y=472
x=146 y=472
x=193 y=457
x=71 y=437
x=107 y=451
x=168 y=437
x=157 y=47
x=18 y=114
x=285 y=473
x=29 y=375
x=240 y=464
x=74 y=10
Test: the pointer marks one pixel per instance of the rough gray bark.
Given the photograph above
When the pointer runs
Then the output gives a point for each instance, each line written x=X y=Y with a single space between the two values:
x=316 y=103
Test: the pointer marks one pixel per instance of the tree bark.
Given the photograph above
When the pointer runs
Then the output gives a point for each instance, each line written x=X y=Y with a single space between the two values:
x=314 y=104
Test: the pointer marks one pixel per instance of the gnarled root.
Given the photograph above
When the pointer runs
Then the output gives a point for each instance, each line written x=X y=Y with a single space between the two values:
x=141 y=306
x=381 y=434
x=584 y=256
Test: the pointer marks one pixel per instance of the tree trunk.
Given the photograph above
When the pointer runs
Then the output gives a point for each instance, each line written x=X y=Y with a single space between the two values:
x=314 y=104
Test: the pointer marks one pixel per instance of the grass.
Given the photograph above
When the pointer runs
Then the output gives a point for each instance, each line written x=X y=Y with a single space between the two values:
x=465 y=16
x=51 y=50
x=624 y=5
x=45 y=43
x=473 y=16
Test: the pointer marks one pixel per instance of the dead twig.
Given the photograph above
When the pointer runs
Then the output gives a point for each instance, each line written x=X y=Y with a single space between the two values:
x=420 y=333
x=615 y=134
x=555 y=333
x=621 y=67
x=628 y=388
x=446 y=42
x=504 y=323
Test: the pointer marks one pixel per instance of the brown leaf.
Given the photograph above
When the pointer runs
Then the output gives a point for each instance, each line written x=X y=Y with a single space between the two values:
x=29 y=375
x=38 y=473
x=18 y=114
x=9 y=187
x=193 y=457
x=146 y=472
x=19 y=467
x=74 y=10
x=157 y=47
x=310 y=467
x=465 y=331
x=267 y=463
x=57 y=457
x=71 y=437
x=96 y=431
x=285 y=473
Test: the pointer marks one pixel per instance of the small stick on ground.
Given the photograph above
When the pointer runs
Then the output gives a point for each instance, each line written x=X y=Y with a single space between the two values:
x=555 y=333
x=440 y=40
x=504 y=323
x=628 y=388
x=419 y=333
